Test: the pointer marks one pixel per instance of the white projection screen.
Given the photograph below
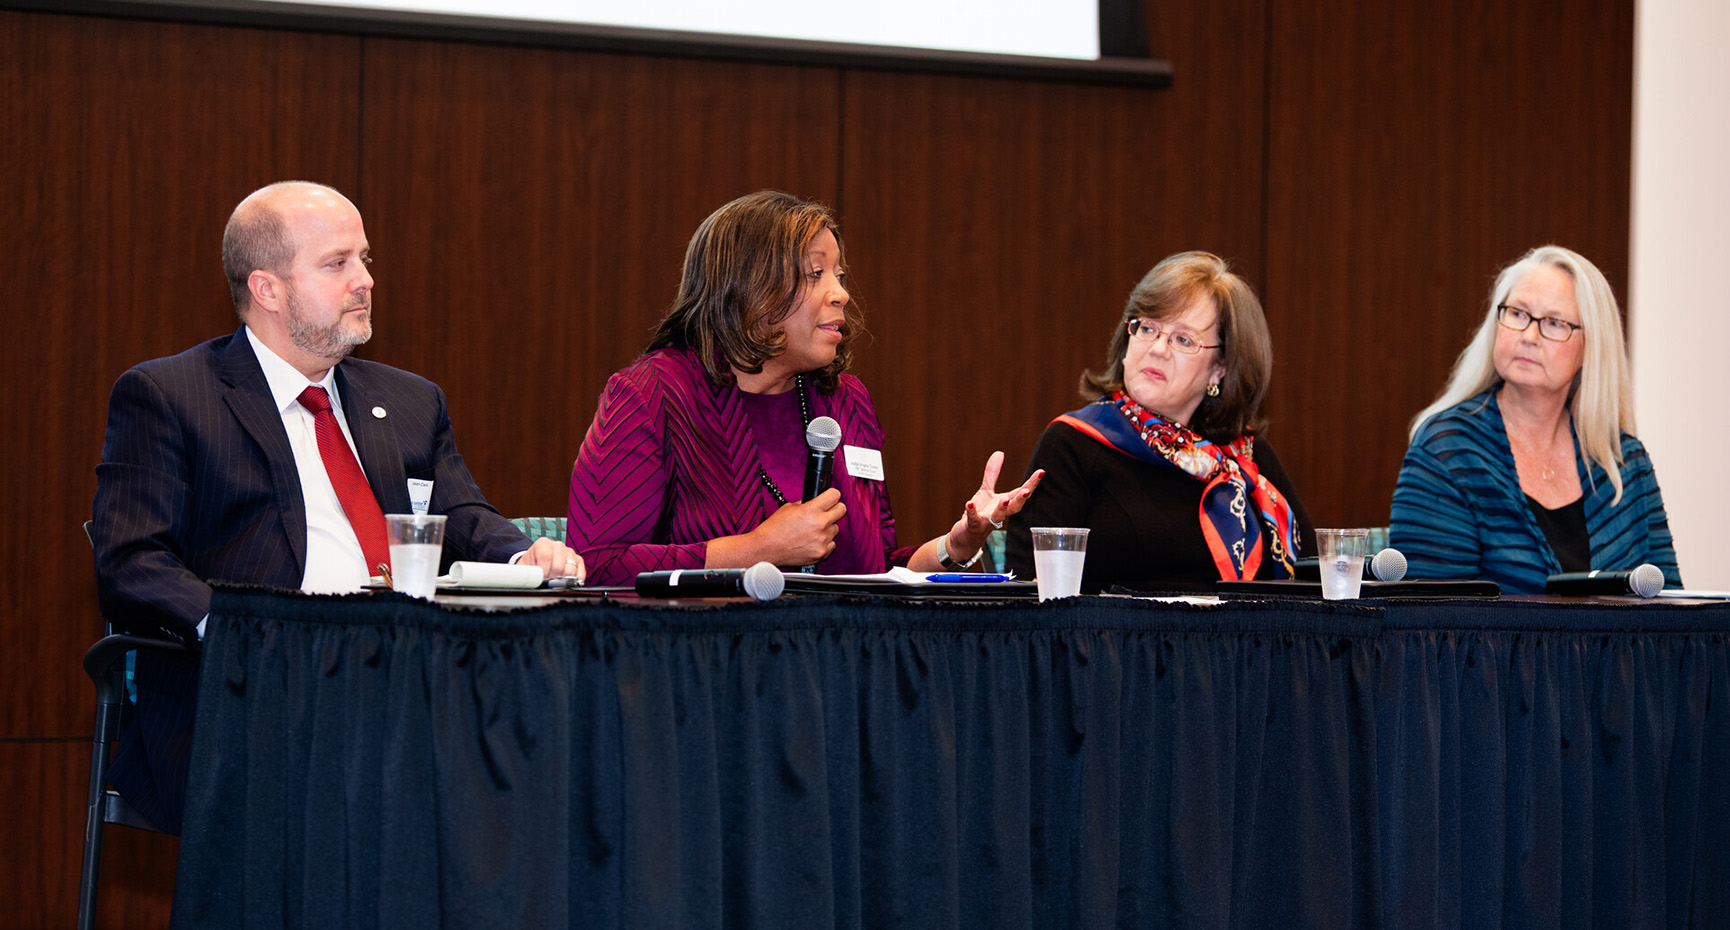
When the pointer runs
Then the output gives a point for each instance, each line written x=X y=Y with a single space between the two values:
x=1101 y=41
x=1055 y=28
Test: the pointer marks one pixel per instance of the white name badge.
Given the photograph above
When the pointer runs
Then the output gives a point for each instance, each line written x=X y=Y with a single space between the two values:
x=419 y=494
x=863 y=462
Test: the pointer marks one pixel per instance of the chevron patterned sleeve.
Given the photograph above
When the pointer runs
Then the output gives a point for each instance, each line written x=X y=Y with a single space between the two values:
x=620 y=487
x=893 y=555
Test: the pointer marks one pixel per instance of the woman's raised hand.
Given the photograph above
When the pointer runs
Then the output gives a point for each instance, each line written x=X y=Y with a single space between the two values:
x=987 y=510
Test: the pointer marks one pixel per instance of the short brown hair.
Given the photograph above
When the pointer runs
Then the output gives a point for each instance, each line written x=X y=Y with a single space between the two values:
x=257 y=239
x=1245 y=349
x=743 y=275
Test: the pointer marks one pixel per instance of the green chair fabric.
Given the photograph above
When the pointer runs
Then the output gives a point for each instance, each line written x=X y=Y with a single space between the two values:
x=537 y=527
x=995 y=546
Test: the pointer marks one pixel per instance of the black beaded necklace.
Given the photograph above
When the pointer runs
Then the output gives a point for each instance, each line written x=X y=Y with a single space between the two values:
x=805 y=418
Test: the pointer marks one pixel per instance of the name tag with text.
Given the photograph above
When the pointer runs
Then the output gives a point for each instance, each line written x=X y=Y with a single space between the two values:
x=863 y=462
x=419 y=495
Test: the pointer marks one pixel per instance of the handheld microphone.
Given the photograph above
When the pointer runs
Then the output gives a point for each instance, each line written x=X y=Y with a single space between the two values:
x=822 y=438
x=1388 y=565
x=761 y=582
x=1645 y=580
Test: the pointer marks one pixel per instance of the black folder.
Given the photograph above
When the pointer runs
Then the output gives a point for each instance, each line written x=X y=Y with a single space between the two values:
x=1402 y=590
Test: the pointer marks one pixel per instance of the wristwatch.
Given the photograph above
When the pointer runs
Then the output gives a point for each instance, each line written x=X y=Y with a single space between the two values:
x=949 y=563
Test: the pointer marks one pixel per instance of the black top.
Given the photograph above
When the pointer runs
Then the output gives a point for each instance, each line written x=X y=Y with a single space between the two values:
x=1145 y=517
x=1565 y=530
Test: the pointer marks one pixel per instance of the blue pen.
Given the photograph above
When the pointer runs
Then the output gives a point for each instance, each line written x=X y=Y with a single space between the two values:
x=970 y=577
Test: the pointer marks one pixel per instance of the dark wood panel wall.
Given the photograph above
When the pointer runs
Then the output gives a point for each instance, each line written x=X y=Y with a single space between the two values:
x=1413 y=151
x=1368 y=167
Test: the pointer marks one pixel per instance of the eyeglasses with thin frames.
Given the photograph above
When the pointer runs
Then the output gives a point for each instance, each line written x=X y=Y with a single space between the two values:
x=1552 y=328
x=1187 y=343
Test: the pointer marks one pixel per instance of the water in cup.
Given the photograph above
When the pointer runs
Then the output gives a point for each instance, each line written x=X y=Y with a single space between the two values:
x=1058 y=571
x=1342 y=578
x=1059 y=555
x=414 y=568
x=1342 y=562
x=416 y=542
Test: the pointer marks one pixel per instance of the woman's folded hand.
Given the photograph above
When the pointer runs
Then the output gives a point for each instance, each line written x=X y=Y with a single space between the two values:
x=802 y=533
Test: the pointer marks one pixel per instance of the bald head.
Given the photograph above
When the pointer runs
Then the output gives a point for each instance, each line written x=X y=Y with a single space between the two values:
x=260 y=235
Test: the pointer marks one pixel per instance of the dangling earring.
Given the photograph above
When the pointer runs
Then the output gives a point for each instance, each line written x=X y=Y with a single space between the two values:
x=1213 y=389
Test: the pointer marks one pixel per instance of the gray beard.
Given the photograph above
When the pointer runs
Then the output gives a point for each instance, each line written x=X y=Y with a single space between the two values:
x=322 y=341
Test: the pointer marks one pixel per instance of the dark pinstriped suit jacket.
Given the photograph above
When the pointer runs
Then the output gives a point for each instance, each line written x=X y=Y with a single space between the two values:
x=198 y=482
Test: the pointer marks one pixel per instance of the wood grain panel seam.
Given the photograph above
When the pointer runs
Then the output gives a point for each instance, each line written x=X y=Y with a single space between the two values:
x=360 y=122
x=1266 y=148
x=841 y=143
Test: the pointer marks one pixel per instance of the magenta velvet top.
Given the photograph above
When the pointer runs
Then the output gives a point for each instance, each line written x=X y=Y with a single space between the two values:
x=670 y=462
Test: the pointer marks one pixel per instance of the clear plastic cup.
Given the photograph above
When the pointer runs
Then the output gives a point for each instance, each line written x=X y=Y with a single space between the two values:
x=1342 y=562
x=416 y=544
x=1059 y=554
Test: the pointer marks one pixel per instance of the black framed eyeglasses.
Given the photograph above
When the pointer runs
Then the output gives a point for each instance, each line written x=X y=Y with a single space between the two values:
x=1552 y=328
x=1187 y=343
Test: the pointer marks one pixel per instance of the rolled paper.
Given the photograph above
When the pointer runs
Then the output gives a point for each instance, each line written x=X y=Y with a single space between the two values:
x=492 y=575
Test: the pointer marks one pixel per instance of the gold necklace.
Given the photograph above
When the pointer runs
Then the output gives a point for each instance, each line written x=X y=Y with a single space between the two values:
x=1546 y=472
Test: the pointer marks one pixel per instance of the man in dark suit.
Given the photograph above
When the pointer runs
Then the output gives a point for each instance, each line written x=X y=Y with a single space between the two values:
x=269 y=456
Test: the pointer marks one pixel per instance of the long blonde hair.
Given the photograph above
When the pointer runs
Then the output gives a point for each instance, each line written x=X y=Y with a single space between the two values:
x=1602 y=397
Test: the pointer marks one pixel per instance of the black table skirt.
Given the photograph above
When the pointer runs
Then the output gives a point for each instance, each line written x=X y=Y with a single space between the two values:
x=373 y=761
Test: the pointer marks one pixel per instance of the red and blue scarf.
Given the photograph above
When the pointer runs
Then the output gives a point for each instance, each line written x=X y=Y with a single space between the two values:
x=1231 y=482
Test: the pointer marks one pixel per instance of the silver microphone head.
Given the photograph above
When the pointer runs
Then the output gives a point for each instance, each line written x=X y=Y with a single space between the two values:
x=763 y=581
x=1646 y=580
x=823 y=435
x=1389 y=565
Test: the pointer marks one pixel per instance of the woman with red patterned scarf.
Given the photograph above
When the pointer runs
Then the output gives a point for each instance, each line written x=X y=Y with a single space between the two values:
x=1164 y=464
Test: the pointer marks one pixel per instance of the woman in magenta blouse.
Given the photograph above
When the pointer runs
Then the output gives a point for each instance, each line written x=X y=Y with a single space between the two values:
x=696 y=456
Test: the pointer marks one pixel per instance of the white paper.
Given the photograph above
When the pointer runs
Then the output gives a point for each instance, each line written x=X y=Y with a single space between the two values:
x=896 y=575
x=1199 y=600
x=491 y=575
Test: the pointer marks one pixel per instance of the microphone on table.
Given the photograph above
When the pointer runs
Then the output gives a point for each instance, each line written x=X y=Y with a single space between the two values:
x=822 y=438
x=1388 y=565
x=1645 y=580
x=761 y=582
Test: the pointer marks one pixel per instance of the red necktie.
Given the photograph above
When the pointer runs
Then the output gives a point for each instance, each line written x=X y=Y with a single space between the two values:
x=358 y=502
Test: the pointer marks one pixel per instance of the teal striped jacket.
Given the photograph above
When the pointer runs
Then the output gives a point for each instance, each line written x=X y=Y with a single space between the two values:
x=1459 y=512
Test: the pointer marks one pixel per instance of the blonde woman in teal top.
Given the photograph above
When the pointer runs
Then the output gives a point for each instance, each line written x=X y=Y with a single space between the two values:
x=1527 y=465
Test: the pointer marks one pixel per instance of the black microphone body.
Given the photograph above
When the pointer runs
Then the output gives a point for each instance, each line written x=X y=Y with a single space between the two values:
x=819 y=471
x=822 y=438
x=1645 y=580
x=761 y=581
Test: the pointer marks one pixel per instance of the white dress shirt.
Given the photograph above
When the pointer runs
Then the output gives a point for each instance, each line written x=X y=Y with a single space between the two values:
x=334 y=560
